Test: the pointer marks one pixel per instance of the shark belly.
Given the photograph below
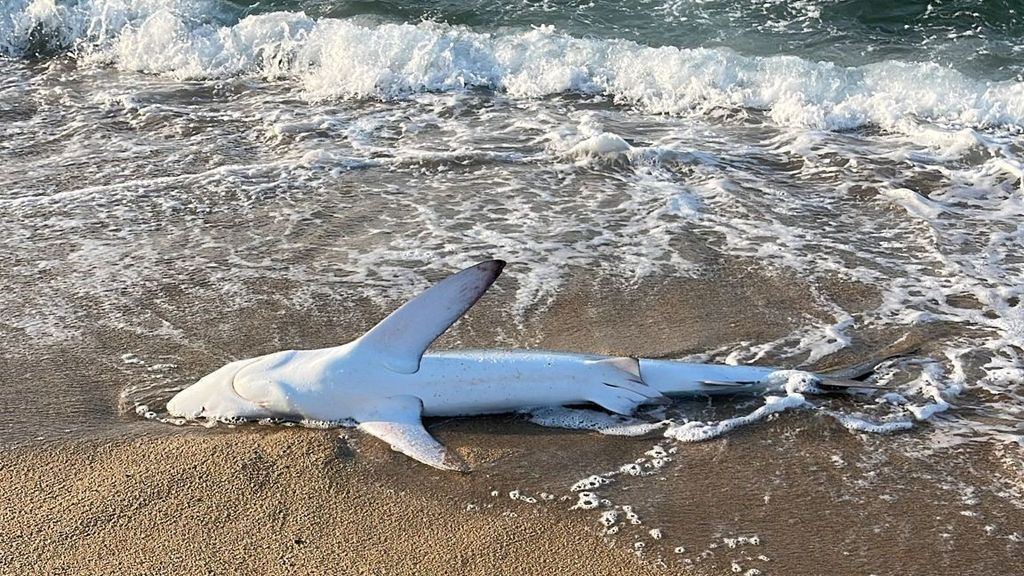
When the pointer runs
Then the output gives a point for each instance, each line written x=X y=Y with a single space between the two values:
x=488 y=382
x=674 y=378
x=460 y=383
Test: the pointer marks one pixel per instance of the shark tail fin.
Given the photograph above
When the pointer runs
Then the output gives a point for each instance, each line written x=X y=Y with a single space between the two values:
x=399 y=341
x=621 y=388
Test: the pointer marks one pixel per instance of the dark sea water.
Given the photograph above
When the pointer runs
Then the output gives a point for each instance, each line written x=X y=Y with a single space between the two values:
x=805 y=184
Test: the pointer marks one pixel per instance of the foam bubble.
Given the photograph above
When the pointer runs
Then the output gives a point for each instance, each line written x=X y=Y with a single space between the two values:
x=590 y=483
x=586 y=501
x=700 y=431
x=579 y=419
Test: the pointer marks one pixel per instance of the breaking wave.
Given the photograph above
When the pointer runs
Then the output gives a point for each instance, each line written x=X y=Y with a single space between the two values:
x=353 y=59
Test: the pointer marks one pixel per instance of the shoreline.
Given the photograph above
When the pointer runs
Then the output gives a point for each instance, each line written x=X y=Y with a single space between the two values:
x=122 y=493
x=303 y=501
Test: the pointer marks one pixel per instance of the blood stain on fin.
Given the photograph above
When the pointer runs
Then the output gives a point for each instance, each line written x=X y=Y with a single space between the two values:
x=399 y=341
x=398 y=421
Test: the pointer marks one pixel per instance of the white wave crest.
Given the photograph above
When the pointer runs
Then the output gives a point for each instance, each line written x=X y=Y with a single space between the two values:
x=333 y=58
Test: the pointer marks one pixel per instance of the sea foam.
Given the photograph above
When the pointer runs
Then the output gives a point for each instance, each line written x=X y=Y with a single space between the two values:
x=344 y=59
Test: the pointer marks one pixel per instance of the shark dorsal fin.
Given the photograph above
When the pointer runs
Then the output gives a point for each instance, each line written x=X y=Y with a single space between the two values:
x=399 y=341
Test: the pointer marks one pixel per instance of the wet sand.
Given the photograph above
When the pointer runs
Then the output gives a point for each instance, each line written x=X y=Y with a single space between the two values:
x=92 y=488
x=283 y=502
x=299 y=501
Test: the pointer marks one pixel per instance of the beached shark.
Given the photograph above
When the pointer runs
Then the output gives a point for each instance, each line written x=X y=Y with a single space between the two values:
x=387 y=382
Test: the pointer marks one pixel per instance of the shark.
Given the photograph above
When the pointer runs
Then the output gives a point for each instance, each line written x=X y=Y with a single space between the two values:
x=387 y=381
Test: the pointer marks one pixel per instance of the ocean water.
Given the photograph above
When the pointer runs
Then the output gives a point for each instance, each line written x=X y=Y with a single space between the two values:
x=817 y=183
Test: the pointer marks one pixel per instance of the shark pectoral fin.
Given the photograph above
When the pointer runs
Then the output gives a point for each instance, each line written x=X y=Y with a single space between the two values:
x=399 y=341
x=397 y=421
x=413 y=440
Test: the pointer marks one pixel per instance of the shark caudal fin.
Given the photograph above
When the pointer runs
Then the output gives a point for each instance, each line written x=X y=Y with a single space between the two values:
x=399 y=341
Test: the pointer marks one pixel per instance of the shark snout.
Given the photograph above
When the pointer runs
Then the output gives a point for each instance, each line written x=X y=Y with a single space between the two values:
x=188 y=403
x=214 y=397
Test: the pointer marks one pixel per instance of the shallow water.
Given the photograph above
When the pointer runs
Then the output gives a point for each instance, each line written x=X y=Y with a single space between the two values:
x=808 y=184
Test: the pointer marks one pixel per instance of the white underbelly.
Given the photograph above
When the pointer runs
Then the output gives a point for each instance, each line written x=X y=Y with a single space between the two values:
x=460 y=383
x=480 y=382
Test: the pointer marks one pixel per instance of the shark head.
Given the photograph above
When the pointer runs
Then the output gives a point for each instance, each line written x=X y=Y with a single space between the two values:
x=215 y=396
x=364 y=381
x=289 y=385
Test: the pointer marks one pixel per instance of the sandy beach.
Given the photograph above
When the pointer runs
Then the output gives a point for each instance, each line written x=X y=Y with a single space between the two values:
x=300 y=501
x=91 y=487
x=284 y=502
x=813 y=185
